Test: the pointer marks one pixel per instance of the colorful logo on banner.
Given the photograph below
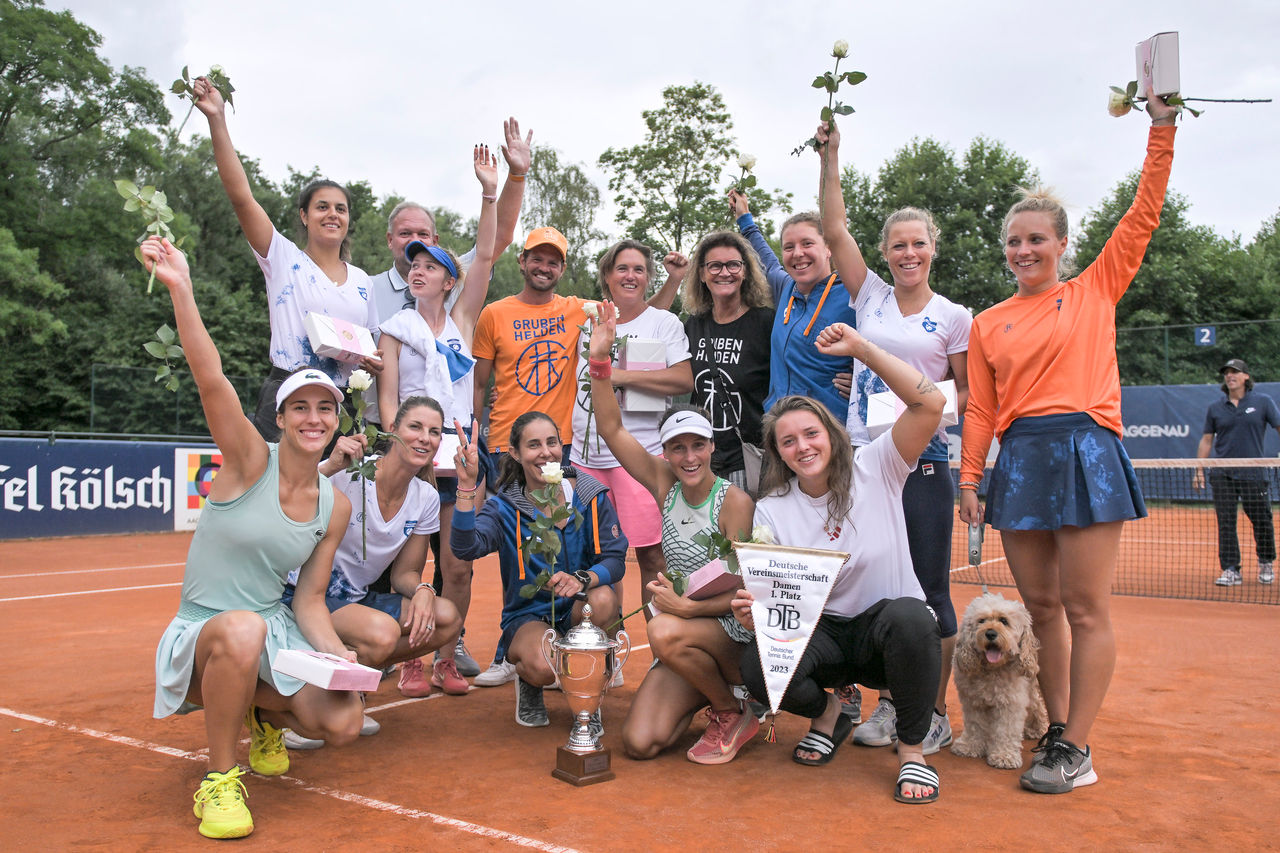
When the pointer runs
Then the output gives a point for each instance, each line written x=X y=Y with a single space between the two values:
x=790 y=587
x=193 y=469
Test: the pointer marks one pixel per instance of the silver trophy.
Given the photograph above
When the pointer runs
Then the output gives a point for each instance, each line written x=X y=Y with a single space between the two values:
x=584 y=661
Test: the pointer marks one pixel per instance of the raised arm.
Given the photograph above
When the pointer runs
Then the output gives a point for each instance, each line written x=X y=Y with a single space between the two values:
x=916 y=426
x=773 y=271
x=244 y=453
x=649 y=471
x=844 y=249
x=467 y=308
x=677 y=266
x=254 y=221
x=518 y=153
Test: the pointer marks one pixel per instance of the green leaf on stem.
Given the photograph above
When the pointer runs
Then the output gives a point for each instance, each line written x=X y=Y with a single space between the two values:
x=854 y=77
x=1131 y=90
x=826 y=116
x=154 y=348
x=344 y=423
x=819 y=82
x=127 y=189
x=166 y=335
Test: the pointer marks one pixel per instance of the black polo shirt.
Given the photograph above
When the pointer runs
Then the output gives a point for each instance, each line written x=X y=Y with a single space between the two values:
x=1238 y=431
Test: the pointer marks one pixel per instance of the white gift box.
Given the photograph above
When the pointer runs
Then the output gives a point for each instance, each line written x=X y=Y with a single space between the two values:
x=643 y=354
x=1157 y=60
x=332 y=337
x=883 y=409
x=444 y=464
x=327 y=671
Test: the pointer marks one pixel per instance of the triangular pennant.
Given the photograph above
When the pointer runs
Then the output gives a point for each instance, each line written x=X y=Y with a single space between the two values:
x=790 y=587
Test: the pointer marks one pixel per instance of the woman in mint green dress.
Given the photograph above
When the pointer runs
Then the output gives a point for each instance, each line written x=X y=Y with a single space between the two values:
x=268 y=512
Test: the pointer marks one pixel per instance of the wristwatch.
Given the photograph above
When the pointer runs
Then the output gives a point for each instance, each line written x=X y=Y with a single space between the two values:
x=584 y=577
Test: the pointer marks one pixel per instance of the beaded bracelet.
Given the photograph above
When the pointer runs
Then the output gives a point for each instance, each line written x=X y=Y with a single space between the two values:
x=424 y=586
x=969 y=484
x=599 y=368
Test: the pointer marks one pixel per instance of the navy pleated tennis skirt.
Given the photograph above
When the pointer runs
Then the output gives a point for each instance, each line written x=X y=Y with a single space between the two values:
x=1061 y=471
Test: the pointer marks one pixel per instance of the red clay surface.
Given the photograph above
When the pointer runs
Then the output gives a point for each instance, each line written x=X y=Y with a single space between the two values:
x=1184 y=748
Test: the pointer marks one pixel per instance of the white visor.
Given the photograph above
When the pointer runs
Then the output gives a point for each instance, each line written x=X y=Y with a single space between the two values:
x=684 y=423
x=306 y=377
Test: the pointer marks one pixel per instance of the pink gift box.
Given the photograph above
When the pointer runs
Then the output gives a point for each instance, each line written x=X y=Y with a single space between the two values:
x=443 y=463
x=332 y=337
x=1157 y=61
x=643 y=354
x=327 y=671
x=711 y=580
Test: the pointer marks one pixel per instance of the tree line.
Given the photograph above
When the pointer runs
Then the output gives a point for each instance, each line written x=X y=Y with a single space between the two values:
x=72 y=296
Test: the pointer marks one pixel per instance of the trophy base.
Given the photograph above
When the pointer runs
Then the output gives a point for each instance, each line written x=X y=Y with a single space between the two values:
x=582 y=768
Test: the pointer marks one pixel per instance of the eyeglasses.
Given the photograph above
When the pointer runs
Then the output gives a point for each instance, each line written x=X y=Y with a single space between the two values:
x=717 y=267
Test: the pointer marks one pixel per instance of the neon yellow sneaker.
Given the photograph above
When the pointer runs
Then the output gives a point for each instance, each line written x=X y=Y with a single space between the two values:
x=220 y=805
x=267 y=754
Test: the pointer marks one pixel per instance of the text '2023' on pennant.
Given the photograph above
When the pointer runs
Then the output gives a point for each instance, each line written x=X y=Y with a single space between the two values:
x=790 y=587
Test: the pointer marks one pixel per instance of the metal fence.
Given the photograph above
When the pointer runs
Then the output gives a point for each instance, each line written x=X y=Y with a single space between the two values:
x=1191 y=354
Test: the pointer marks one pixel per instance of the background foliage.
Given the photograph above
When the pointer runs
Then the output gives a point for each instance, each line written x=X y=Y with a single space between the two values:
x=74 y=313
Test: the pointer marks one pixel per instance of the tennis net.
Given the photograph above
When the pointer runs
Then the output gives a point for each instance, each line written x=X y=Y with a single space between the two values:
x=1174 y=551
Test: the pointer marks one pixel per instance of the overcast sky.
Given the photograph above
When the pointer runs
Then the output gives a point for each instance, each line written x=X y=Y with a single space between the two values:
x=396 y=92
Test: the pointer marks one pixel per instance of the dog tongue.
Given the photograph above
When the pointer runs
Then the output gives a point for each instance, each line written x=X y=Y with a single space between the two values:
x=993 y=656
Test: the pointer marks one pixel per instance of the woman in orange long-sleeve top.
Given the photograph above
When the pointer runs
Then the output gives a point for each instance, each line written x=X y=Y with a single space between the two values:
x=1043 y=379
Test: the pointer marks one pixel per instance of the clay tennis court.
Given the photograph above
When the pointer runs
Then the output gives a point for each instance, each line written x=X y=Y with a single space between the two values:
x=1185 y=745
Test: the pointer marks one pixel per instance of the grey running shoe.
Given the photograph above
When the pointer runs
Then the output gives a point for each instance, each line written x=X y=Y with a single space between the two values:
x=850 y=702
x=467 y=666
x=293 y=740
x=499 y=672
x=1230 y=577
x=369 y=726
x=530 y=710
x=880 y=729
x=939 y=734
x=1265 y=573
x=1061 y=767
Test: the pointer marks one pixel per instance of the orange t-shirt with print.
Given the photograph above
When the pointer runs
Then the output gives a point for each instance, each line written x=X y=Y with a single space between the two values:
x=1055 y=352
x=534 y=350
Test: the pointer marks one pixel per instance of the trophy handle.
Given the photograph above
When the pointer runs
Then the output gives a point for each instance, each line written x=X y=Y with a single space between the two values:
x=624 y=642
x=548 y=649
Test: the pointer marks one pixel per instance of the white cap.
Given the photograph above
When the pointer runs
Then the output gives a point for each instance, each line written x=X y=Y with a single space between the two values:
x=684 y=422
x=302 y=378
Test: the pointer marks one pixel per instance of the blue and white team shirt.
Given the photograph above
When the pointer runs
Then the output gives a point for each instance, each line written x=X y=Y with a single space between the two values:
x=924 y=340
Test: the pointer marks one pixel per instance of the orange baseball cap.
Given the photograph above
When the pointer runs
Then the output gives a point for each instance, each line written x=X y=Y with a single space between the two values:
x=547 y=237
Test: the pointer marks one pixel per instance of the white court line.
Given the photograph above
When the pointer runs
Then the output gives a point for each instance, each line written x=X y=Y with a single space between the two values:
x=89 y=592
x=89 y=571
x=334 y=793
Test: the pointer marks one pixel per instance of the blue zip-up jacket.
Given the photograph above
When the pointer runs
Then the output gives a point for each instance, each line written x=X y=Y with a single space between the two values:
x=795 y=365
x=597 y=544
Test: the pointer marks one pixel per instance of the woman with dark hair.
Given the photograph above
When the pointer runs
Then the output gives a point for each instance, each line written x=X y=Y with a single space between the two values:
x=1043 y=379
x=316 y=279
x=268 y=512
x=696 y=643
x=730 y=320
x=875 y=628
x=401 y=511
x=592 y=553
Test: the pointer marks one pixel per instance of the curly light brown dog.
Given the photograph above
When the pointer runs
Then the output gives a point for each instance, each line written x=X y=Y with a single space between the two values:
x=995 y=671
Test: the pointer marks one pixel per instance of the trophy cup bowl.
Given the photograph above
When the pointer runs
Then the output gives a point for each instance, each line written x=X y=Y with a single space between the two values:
x=584 y=661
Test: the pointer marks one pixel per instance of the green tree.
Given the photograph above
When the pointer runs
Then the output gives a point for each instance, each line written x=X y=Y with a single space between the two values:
x=560 y=194
x=1190 y=276
x=968 y=199
x=29 y=299
x=670 y=188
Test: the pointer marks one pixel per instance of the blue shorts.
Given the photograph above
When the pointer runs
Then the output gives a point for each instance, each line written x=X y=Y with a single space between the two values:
x=387 y=602
x=1058 y=471
x=564 y=616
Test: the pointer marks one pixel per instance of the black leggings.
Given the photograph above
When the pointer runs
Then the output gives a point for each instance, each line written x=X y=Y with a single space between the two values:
x=894 y=645
x=929 y=504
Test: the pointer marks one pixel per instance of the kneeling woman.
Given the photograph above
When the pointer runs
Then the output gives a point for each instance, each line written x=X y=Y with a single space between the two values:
x=592 y=553
x=268 y=511
x=697 y=643
x=875 y=628
x=401 y=512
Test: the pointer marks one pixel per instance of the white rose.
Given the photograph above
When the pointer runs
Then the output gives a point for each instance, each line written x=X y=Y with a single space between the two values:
x=551 y=473
x=359 y=381
x=1118 y=104
x=841 y=49
x=746 y=162
x=216 y=69
x=592 y=310
x=763 y=535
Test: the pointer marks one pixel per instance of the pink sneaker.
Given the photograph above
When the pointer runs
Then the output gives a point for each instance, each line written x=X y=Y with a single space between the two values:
x=444 y=674
x=727 y=732
x=413 y=679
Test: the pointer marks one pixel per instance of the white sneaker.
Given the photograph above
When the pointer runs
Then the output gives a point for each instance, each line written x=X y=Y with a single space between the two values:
x=293 y=740
x=939 y=734
x=1266 y=574
x=369 y=726
x=1229 y=577
x=881 y=728
x=499 y=673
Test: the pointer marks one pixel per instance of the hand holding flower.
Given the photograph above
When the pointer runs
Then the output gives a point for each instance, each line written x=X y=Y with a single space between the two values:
x=166 y=262
x=738 y=203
